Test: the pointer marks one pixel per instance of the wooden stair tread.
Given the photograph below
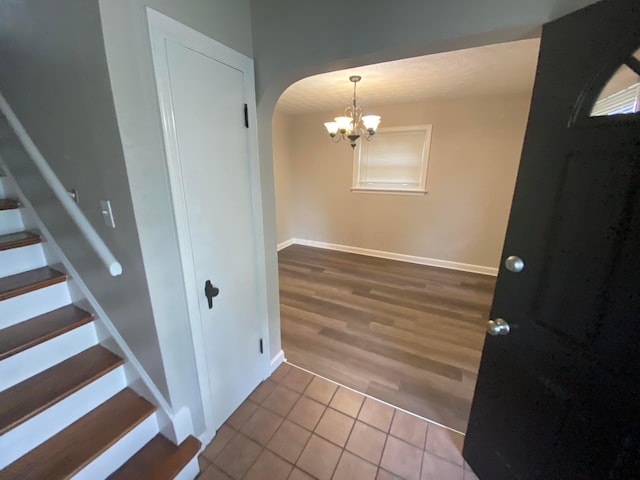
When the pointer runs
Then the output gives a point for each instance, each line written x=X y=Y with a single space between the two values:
x=30 y=333
x=20 y=283
x=8 y=204
x=67 y=452
x=26 y=399
x=19 y=239
x=158 y=460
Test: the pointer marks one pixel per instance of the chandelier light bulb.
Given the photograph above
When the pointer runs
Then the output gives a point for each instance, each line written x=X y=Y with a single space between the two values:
x=371 y=122
x=344 y=124
x=352 y=126
x=332 y=128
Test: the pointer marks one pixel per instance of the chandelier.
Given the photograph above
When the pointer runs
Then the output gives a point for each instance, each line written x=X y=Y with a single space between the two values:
x=353 y=125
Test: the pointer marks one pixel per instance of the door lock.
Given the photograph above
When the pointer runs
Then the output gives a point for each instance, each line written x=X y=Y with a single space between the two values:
x=210 y=291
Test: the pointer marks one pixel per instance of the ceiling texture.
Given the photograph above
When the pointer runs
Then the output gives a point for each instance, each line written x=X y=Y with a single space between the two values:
x=505 y=68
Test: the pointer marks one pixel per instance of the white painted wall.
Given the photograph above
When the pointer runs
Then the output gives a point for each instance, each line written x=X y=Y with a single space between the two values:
x=475 y=152
x=293 y=40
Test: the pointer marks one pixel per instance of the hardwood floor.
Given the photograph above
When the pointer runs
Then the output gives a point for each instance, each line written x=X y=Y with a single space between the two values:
x=410 y=335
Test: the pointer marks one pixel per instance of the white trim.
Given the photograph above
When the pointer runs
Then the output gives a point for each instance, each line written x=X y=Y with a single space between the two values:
x=118 y=453
x=32 y=432
x=162 y=28
x=361 y=159
x=286 y=243
x=58 y=189
x=389 y=191
x=276 y=361
x=33 y=304
x=21 y=366
x=21 y=259
x=10 y=221
x=190 y=471
x=432 y=262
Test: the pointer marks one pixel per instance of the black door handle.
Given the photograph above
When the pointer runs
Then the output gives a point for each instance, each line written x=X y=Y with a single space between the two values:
x=210 y=291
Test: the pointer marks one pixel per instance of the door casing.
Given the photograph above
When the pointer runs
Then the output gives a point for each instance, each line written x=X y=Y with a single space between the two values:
x=162 y=28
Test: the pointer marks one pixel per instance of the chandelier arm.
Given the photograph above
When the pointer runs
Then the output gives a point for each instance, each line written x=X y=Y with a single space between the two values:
x=351 y=131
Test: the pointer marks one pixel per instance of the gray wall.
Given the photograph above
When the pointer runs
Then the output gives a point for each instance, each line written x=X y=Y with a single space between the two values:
x=127 y=45
x=64 y=78
x=53 y=72
x=293 y=39
x=283 y=172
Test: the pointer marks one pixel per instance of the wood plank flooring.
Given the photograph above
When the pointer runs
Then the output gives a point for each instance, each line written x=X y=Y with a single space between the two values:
x=410 y=335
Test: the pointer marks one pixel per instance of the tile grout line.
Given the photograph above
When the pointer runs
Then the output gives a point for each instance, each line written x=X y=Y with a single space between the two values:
x=348 y=436
x=376 y=399
x=264 y=447
x=424 y=450
x=387 y=433
x=326 y=406
x=386 y=438
x=295 y=465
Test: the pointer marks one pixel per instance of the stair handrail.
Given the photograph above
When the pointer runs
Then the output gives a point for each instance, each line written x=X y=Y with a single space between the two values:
x=60 y=192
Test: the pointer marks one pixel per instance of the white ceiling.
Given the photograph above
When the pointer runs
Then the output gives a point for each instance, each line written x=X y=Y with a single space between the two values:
x=489 y=70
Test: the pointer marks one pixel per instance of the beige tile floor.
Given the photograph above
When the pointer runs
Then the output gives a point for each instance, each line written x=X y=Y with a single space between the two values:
x=298 y=426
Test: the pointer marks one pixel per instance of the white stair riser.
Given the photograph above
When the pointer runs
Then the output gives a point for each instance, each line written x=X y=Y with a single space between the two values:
x=23 y=307
x=121 y=451
x=23 y=365
x=190 y=471
x=28 y=435
x=18 y=260
x=10 y=221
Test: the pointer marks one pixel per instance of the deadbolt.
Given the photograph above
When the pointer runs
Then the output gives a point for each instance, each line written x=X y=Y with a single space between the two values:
x=498 y=327
x=514 y=264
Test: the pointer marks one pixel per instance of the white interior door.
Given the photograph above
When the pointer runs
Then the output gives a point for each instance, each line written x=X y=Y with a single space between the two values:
x=211 y=176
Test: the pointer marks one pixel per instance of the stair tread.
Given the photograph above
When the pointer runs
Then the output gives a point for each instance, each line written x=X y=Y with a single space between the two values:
x=25 y=282
x=8 y=204
x=18 y=239
x=26 y=399
x=158 y=460
x=67 y=452
x=34 y=331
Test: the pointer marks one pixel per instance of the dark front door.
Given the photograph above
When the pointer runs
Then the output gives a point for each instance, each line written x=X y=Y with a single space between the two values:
x=558 y=397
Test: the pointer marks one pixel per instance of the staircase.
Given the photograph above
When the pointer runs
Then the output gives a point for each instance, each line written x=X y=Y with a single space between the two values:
x=65 y=407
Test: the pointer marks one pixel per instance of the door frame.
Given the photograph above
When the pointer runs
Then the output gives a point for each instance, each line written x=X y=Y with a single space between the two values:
x=162 y=28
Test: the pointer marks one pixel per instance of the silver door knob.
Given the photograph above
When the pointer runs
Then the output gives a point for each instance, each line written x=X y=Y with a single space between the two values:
x=498 y=327
x=514 y=264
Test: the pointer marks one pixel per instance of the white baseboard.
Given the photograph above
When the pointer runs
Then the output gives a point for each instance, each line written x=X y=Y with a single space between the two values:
x=286 y=243
x=432 y=262
x=276 y=361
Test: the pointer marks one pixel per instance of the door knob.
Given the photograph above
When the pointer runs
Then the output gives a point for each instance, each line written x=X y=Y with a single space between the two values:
x=210 y=291
x=514 y=264
x=498 y=327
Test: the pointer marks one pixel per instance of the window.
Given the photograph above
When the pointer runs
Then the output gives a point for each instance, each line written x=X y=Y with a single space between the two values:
x=621 y=94
x=395 y=161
